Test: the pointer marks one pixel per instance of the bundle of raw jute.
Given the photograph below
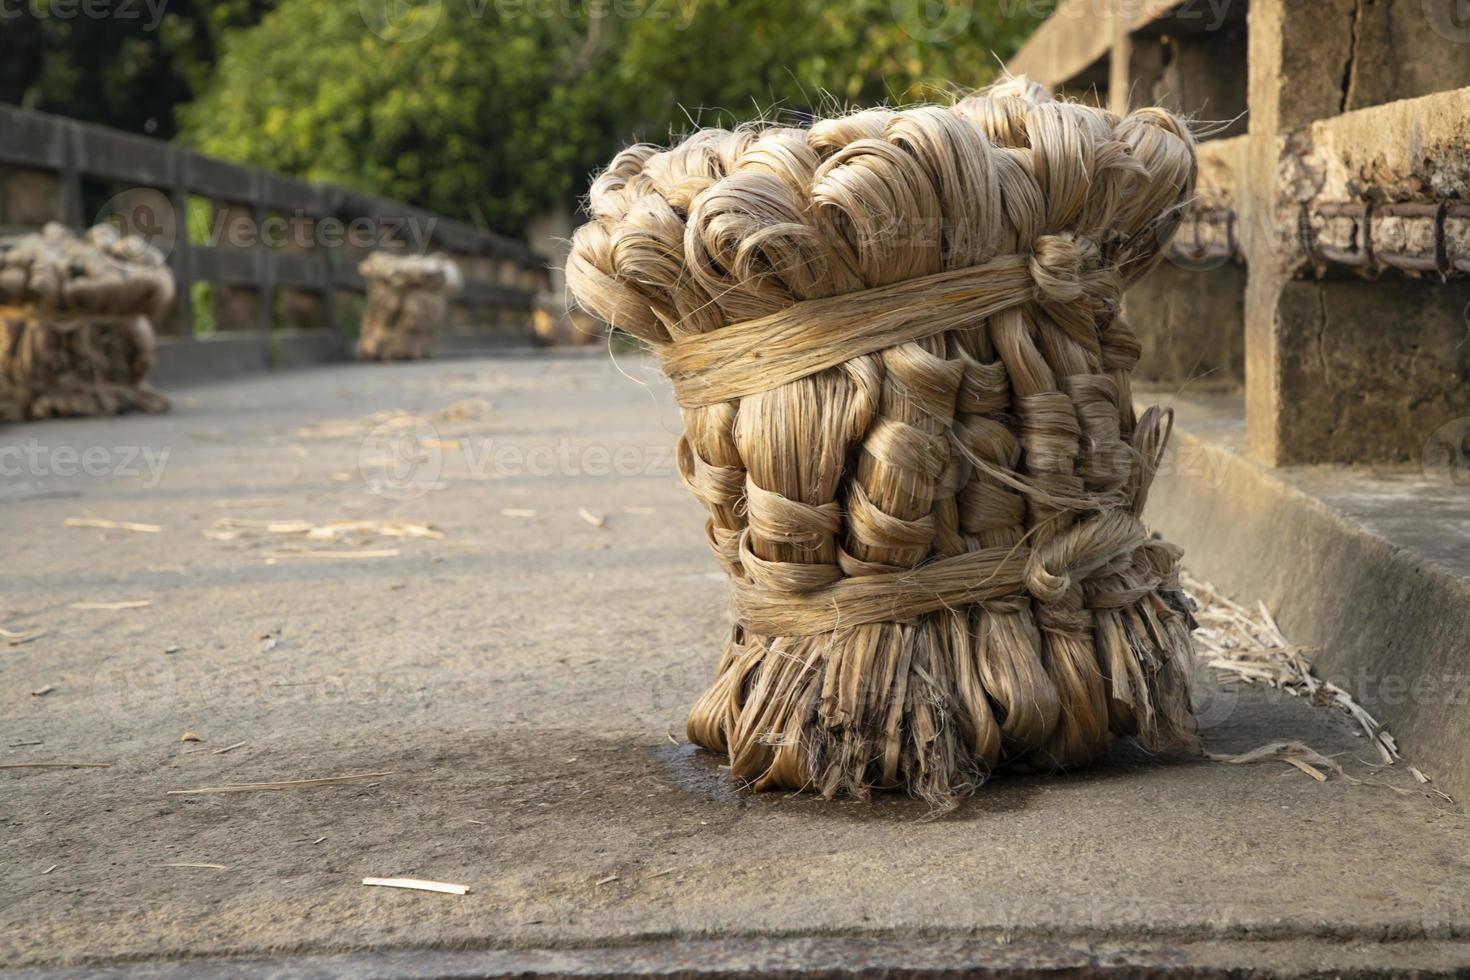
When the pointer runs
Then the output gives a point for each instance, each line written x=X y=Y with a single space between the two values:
x=895 y=337
x=407 y=299
x=74 y=332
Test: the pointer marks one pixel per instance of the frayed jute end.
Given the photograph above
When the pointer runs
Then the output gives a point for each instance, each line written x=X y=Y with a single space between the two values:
x=934 y=707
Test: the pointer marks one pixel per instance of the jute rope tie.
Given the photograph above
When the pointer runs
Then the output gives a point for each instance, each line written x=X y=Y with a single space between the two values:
x=814 y=335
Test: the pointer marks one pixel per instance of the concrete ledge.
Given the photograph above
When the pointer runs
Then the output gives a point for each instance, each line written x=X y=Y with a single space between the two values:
x=1070 y=48
x=183 y=360
x=180 y=360
x=468 y=345
x=847 y=956
x=1369 y=567
x=299 y=348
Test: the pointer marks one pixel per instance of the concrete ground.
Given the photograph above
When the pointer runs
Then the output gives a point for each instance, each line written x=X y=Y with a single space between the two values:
x=520 y=684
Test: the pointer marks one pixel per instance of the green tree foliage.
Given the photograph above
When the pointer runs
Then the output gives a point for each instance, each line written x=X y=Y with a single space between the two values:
x=477 y=116
x=494 y=110
x=122 y=63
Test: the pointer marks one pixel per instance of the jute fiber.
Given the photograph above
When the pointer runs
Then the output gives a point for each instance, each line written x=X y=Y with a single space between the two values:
x=75 y=336
x=407 y=299
x=895 y=337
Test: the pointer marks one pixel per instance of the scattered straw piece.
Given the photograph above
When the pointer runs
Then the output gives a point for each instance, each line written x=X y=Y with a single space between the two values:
x=196 y=864
x=517 y=512
x=113 y=606
x=41 y=692
x=50 y=869
x=275 y=556
x=232 y=528
x=1419 y=775
x=1307 y=768
x=16 y=639
x=56 y=765
x=285 y=784
x=608 y=879
x=461 y=411
x=190 y=737
x=251 y=503
x=1298 y=754
x=1251 y=647
x=106 y=525
x=442 y=887
x=228 y=748
x=596 y=520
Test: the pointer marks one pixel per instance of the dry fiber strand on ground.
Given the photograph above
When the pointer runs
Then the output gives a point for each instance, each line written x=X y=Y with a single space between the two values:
x=895 y=338
x=407 y=299
x=75 y=338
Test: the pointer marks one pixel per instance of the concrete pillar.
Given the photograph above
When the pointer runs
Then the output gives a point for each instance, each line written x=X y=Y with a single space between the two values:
x=1343 y=367
x=1289 y=42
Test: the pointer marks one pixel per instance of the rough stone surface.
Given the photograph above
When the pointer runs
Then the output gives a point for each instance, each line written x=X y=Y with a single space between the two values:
x=1405 y=50
x=1190 y=323
x=522 y=682
x=1369 y=370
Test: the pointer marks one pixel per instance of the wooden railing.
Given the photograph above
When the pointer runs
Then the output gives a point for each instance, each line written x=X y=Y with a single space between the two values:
x=255 y=236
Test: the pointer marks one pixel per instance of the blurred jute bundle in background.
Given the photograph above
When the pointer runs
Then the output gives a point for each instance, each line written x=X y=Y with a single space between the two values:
x=75 y=336
x=407 y=300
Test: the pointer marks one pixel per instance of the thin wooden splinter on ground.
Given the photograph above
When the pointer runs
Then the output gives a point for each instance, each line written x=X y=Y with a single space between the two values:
x=106 y=525
x=416 y=884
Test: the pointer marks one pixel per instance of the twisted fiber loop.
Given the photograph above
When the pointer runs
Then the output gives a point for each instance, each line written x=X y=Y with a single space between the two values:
x=897 y=344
